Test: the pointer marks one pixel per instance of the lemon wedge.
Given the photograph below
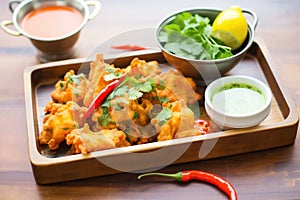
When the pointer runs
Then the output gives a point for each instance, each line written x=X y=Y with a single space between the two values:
x=230 y=26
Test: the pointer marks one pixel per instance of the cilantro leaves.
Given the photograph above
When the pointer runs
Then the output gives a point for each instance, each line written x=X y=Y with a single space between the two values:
x=189 y=36
x=134 y=88
x=71 y=79
x=112 y=74
x=163 y=116
x=105 y=119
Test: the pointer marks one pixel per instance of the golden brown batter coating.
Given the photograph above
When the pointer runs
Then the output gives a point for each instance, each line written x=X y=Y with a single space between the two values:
x=182 y=119
x=143 y=67
x=97 y=69
x=72 y=88
x=147 y=106
x=98 y=79
x=183 y=88
x=61 y=120
x=84 y=140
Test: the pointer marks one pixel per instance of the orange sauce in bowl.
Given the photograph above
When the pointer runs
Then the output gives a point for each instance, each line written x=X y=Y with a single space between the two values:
x=51 y=21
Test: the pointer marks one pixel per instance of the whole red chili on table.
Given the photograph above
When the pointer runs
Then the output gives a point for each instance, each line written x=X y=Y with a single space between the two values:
x=97 y=101
x=213 y=179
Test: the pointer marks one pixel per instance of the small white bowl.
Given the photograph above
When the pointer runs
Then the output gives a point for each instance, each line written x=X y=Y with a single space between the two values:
x=237 y=101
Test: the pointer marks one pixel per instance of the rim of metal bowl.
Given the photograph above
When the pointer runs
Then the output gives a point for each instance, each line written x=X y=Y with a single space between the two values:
x=168 y=18
x=16 y=19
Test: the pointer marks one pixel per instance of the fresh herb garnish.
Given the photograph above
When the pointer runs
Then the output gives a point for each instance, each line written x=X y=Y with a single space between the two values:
x=105 y=118
x=76 y=78
x=163 y=116
x=62 y=86
x=112 y=74
x=135 y=88
x=161 y=85
x=164 y=99
x=134 y=93
x=136 y=115
x=189 y=36
x=70 y=80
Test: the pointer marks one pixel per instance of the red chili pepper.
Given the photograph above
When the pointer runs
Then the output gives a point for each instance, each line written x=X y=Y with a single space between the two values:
x=102 y=96
x=213 y=179
x=129 y=47
x=203 y=126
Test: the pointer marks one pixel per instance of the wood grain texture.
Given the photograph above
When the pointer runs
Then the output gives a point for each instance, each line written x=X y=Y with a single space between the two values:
x=268 y=174
x=39 y=83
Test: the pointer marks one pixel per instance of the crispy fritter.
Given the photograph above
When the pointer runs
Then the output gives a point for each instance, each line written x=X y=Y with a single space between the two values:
x=97 y=78
x=180 y=87
x=182 y=119
x=133 y=117
x=72 y=88
x=84 y=140
x=97 y=69
x=59 y=122
x=148 y=106
x=142 y=67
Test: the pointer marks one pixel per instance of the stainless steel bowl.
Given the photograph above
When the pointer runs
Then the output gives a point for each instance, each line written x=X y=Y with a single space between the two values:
x=50 y=49
x=205 y=71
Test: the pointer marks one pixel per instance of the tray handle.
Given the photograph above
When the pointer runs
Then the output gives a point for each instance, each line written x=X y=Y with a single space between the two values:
x=253 y=15
x=95 y=11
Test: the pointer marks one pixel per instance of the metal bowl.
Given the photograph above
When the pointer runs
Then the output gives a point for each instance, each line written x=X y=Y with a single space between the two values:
x=205 y=71
x=50 y=49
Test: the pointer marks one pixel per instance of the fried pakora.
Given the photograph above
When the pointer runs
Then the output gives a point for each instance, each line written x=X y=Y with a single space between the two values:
x=59 y=122
x=148 y=105
x=84 y=140
x=72 y=88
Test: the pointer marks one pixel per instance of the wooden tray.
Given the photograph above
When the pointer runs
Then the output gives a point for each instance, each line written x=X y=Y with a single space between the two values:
x=279 y=129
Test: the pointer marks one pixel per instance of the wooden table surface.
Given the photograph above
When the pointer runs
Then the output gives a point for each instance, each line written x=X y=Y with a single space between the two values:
x=268 y=174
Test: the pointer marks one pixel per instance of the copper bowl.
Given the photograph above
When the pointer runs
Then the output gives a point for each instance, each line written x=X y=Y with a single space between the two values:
x=50 y=49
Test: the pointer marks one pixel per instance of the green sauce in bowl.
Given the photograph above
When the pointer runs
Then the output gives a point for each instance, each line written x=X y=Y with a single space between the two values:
x=238 y=98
